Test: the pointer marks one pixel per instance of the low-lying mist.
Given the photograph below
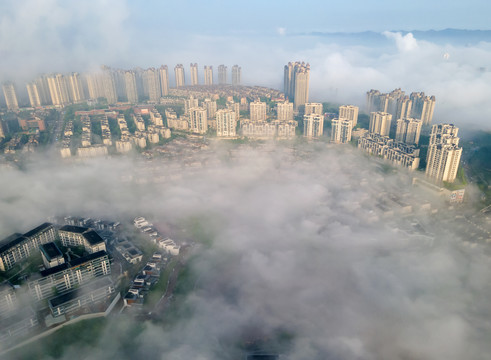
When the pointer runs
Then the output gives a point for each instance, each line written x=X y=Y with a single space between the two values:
x=303 y=244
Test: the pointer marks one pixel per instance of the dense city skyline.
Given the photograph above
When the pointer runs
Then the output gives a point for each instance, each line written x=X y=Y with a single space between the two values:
x=245 y=180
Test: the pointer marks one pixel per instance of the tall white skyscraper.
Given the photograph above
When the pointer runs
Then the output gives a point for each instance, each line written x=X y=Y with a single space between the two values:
x=10 y=96
x=130 y=84
x=179 y=73
x=194 y=74
x=296 y=83
x=349 y=112
x=257 y=111
x=222 y=74
x=443 y=159
x=341 y=130
x=422 y=107
x=198 y=120
x=164 y=80
x=380 y=123
x=236 y=75
x=75 y=87
x=208 y=75
x=58 y=89
x=109 y=85
x=33 y=93
x=151 y=83
x=211 y=108
x=409 y=130
x=226 y=123
x=313 y=125
x=284 y=111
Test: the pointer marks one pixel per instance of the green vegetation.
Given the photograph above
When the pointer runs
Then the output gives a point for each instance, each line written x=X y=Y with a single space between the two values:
x=129 y=120
x=221 y=102
x=159 y=289
x=83 y=334
x=363 y=121
x=330 y=108
x=114 y=128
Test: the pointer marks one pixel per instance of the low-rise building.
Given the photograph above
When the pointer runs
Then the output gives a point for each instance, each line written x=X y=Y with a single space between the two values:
x=61 y=278
x=77 y=235
x=91 y=293
x=52 y=256
x=18 y=247
x=396 y=152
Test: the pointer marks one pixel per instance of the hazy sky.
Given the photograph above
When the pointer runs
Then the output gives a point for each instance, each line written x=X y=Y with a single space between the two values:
x=38 y=36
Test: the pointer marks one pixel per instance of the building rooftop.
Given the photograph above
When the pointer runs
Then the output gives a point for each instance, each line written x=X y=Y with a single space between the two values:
x=54 y=270
x=74 y=229
x=11 y=241
x=87 y=258
x=50 y=251
x=38 y=229
x=92 y=237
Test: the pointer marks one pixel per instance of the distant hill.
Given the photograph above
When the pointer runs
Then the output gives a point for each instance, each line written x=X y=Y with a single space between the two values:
x=446 y=36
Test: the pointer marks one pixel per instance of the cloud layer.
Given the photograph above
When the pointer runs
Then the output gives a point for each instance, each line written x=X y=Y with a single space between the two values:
x=300 y=244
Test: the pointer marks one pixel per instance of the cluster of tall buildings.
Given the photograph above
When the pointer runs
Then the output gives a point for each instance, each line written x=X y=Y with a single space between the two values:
x=341 y=127
x=399 y=105
x=113 y=85
x=296 y=83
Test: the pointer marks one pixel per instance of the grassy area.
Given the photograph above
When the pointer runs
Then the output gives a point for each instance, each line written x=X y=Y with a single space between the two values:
x=158 y=290
x=83 y=334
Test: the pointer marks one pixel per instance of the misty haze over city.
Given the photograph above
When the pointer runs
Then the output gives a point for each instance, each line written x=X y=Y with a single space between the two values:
x=299 y=248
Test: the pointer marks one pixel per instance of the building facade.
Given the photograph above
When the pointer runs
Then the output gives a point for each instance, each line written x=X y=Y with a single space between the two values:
x=313 y=126
x=409 y=130
x=380 y=123
x=341 y=130
x=444 y=153
x=349 y=112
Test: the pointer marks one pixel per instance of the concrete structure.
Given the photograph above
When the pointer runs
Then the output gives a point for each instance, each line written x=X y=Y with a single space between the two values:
x=236 y=75
x=81 y=236
x=257 y=111
x=211 y=108
x=422 y=107
x=208 y=75
x=10 y=96
x=93 y=292
x=284 y=111
x=194 y=74
x=51 y=254
x=313 y=126
x=198 y=120
x=396 y=152
x=130 y=85
x=151 y=84
x=164 y=80
x=296 y=83
x=179 y=74
x=409 y=130
x=380 y=123
x=444 y=153
x=226 y=123
x=33 y=93
x=18 y=247
x=341 y=130
x=109 y=85
x=313 y=108
x=349 y=112
x=58 y=90
x=62 y=278
x=75 y=88
x=222 y=74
